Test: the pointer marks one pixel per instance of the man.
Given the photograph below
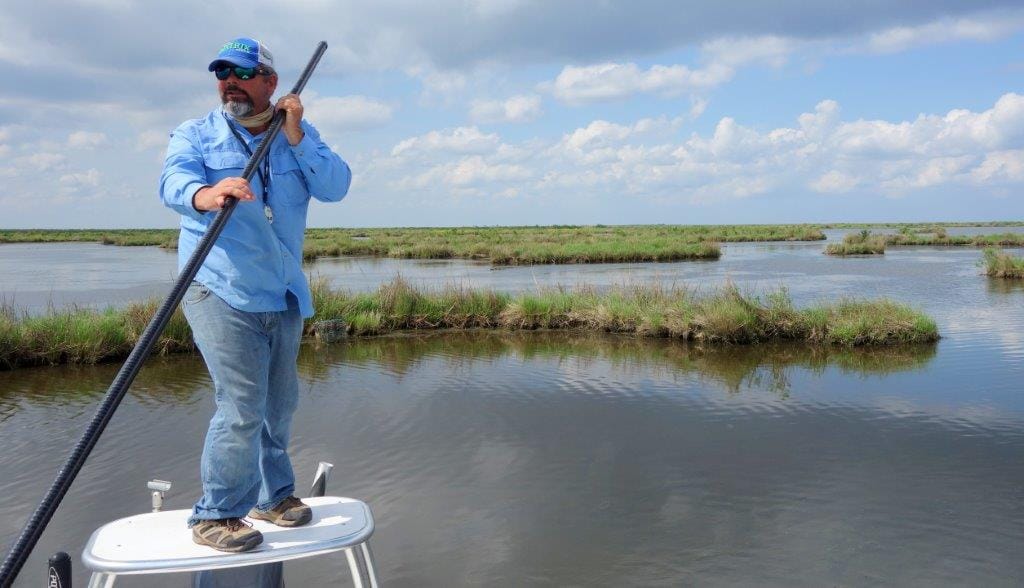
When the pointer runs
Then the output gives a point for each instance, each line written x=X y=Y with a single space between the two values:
x=248 y=300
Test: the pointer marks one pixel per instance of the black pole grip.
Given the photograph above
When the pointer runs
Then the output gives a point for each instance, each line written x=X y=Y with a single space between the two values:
x=119 y=387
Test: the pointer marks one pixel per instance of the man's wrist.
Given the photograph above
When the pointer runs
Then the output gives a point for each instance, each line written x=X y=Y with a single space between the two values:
x=195 y=196
x=301 y=135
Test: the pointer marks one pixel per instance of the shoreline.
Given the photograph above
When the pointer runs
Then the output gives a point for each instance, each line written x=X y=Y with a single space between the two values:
x=559 y=244
x=725 y=316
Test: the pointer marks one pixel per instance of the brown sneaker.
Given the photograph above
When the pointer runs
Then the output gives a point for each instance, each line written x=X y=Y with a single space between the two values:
x=290 y=512
x=232 y=535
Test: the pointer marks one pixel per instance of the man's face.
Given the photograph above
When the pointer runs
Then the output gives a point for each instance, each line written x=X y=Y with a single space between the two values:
x=247 y=97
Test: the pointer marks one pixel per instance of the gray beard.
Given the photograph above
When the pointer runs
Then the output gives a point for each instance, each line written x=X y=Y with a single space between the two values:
x=238 y=109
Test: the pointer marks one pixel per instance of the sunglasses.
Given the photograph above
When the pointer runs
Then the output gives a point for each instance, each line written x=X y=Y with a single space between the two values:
x=242 y=73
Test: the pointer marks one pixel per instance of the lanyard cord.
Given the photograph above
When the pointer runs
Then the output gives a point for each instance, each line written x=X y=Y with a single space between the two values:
x=263 y=170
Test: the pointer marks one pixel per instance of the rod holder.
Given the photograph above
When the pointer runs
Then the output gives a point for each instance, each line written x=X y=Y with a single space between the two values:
x=323 y=472
x=159 y=487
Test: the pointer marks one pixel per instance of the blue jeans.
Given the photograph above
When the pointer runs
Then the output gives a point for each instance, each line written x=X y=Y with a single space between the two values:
x=251 y=357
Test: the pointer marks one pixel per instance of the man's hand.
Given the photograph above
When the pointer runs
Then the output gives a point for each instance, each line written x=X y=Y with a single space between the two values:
x=292 y=127
x=213 y=197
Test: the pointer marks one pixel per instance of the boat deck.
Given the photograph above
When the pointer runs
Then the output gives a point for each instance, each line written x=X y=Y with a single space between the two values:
x=161 y=542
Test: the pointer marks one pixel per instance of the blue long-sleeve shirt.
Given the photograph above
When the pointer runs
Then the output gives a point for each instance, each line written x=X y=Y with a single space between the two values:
x=254 y=263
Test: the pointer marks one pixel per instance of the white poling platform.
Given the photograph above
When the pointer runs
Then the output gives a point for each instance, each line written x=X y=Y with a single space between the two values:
x=161 y=542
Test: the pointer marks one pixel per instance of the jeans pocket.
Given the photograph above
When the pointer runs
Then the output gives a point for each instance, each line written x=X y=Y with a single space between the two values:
x=196 y=293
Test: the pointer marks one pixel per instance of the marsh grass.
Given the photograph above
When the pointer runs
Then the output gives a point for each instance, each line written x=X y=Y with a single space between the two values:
x=922 y=226
x=167 y=238
x=549 y=245
x=938 y=236
x=499 y=245
x=726 y=315
x=860 y=243
x=723 y=316
x=82 y=335
x=601 y=253
x=999 y=264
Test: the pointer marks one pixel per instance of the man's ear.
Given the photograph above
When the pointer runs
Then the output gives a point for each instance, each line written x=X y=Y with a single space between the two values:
x=272 y=80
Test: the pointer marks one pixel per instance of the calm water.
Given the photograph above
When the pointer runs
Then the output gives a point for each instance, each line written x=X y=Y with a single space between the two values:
x=533 y=459
x=37 y=276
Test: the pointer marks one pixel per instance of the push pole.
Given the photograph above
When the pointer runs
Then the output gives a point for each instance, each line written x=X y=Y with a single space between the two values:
x=44 y=512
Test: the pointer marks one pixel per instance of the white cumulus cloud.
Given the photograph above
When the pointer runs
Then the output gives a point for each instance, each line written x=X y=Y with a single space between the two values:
x=460 y=140
x=986 y=27
x=86 y=140
x=40 y=162
x=517 y=109
x=87 y=179
x=610 y=81
x=649 y=159
x=834 y=182
x=739 y=51
x=1000 y=167
x=337 y=114
x=151 y=139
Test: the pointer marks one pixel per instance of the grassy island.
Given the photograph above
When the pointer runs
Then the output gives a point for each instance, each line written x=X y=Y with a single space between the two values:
x=921 y=226
x=503 y=246
x=725 y=316
x=498 y=245
x=124 y=237
x=999 y=264
x=555 y=244
x=937 y=236
x=861 y=243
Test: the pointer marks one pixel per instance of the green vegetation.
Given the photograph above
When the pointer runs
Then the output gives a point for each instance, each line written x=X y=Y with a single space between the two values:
x=936 y=231
x=916 y=226
x=861 y=243
x=83 y=335
x=128 y=237
x=723 y=316
x=938 y=236
x=932 y=234
x=499 y=245
x=999 y=264
x=557 y=244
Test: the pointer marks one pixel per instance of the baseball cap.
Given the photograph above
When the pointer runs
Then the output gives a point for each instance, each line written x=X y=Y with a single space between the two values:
x=244 y=52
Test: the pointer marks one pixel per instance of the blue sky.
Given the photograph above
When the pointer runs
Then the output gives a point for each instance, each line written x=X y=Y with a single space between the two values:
x=493 y=112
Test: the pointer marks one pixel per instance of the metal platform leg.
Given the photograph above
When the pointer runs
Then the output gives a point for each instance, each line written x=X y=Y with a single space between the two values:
x=360 y=563
x=371 y=567
x=101 y=580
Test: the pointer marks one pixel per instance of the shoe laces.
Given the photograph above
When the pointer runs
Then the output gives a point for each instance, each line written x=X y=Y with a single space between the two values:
x=289 y=502
x=236 y=524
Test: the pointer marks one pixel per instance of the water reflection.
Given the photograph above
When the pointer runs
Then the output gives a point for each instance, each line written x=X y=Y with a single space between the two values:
x=498 y=458
x=164 y=380
x=182 y=379
x=1004 y=286
x=738 y=367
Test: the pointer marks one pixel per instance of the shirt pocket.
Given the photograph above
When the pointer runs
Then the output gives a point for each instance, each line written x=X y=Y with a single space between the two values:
x=287 y=184
x=223 y=164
